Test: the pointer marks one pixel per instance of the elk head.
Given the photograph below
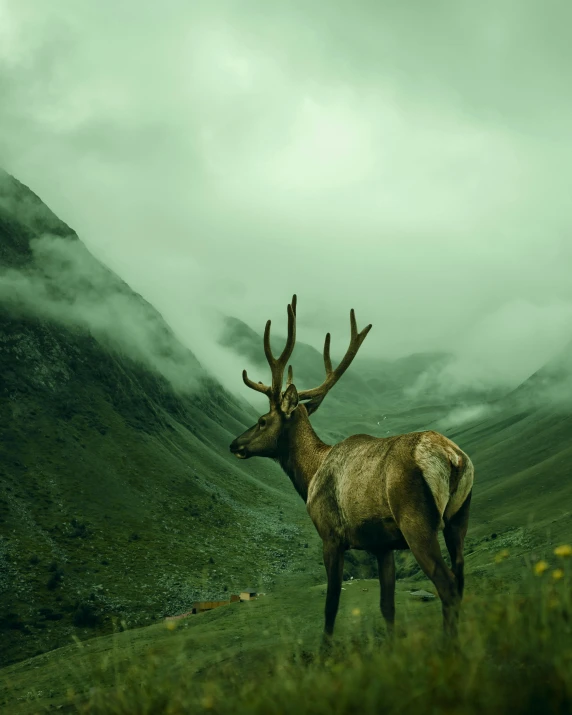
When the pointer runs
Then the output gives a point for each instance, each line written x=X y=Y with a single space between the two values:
x=264 y=438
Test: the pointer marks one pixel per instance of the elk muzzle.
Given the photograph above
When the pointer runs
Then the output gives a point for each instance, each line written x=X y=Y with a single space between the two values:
x=239 y=450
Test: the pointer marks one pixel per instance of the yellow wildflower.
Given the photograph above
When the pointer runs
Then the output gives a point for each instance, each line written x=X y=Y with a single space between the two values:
x=171 y=625
x=540 y=567
x=557 y=574
x=502 y=555
x=356 y=612
x=563 y=550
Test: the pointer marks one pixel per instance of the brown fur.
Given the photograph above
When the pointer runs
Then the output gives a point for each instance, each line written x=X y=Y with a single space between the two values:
x=370 y=493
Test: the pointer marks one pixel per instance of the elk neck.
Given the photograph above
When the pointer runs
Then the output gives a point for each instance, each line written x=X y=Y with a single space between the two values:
x=301 y=452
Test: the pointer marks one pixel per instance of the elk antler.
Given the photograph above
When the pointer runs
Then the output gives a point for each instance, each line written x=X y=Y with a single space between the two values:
x=277 y=365
x=317 y=394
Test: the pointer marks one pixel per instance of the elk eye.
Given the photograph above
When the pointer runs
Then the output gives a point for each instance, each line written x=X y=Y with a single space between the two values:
x=262 y=422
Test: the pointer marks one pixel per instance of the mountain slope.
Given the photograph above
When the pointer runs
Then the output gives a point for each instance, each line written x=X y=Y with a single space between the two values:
x=522 y=449
x=118 y=495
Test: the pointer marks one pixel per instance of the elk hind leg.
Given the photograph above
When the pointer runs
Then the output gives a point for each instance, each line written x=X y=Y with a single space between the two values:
x=424 y=545
x=454 y=532
x=386 y=570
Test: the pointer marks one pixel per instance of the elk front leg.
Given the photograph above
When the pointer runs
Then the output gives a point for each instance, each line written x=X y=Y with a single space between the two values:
x=334 y=563
x=386 y=569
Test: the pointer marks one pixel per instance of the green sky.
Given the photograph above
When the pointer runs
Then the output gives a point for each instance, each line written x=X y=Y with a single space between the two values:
x=408 y=159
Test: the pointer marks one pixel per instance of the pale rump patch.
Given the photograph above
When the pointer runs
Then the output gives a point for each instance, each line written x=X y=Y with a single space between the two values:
x=435 y=465
x=463 y=489
x=435 y=455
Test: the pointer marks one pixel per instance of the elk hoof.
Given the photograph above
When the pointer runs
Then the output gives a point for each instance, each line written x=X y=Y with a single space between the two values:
x=326 y=647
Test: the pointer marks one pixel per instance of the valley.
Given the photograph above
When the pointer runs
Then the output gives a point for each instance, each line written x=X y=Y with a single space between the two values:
x=120 y=503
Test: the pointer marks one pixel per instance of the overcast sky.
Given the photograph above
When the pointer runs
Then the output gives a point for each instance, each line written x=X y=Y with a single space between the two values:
x=412 y=160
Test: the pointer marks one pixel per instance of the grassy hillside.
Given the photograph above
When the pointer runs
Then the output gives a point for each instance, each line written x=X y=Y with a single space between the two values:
x=262 y=657
x=523 y=461
x=118 y=495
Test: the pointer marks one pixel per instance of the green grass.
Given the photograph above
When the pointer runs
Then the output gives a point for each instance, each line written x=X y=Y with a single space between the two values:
x=262 y=657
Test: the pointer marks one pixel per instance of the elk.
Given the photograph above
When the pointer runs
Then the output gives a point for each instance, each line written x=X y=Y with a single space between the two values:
x=377 y=494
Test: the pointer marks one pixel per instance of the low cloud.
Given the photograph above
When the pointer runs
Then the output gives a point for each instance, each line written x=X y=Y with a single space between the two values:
x=220 y=159
x=461 y=416
x=502 y=350
x=66 y=284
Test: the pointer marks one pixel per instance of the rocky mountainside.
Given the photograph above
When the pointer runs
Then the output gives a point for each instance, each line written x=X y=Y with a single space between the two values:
x=119 y=498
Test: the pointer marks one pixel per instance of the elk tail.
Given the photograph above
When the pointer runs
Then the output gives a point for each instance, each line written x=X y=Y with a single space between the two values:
x=447 y=471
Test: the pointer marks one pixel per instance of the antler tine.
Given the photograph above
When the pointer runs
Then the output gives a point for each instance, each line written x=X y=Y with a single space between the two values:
x=291 y=339
x=267 y=348
x=317 y=394
x=290 y=377
x=281 y=362
x=327 y=359
x=353 y=324
x=277 y=365
x=258 y=386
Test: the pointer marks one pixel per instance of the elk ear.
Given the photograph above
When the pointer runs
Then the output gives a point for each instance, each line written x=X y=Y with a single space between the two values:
x=289 y=401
